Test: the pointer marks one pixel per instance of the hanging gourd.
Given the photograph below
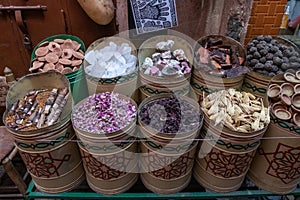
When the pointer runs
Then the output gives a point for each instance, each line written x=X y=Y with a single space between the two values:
x=100 y=11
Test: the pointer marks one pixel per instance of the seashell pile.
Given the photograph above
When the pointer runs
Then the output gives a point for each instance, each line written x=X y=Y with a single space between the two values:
x=37 y=109
x=221 y=60
x=62 y=55
x=165 y=63
x=284 y=95
x=111 y=61
x=238 y=111
x=269 y=57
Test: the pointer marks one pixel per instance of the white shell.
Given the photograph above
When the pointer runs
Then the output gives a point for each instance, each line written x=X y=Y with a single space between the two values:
x=165 y=46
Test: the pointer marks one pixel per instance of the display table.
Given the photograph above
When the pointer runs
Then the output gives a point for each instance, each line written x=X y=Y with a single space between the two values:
x=138 y=191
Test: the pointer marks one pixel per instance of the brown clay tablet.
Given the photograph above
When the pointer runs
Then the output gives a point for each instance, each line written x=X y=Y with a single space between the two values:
x=49 y=66
x=59 y=67
x=41 y=59
x=78 y=55
x=68 y=44
x=65 y=61
x=44 y=44
x=66 y=70
x=67 y=53
x=59 y=41
x=36 y=65
x=57 y=51
x=53 y=45
x=51 y=58
x=76 y=45
x=41 y=51
x=76 y=62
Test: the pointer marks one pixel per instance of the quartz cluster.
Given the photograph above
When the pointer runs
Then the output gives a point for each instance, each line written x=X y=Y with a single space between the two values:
x=111 y=61
x=164 y=62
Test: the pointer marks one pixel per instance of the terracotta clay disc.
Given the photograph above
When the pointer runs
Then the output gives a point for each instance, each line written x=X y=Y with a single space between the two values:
x=41 y=51
x=76 y=45
x=36 y=65
x=48 y=66
x=44 y=44
x=57 y=51
x=78 y=55
x=66 y=70
x=68 y=44
x=59 y=67
x=41 y=59
x=51 y=58
x=65 y=61
x=80 y=51
x=53 y=45
x=76 y=62
x=67 y=53
x=59 y=41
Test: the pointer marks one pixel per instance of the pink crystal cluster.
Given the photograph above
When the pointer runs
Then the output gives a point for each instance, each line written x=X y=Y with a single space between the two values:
x=164 y=62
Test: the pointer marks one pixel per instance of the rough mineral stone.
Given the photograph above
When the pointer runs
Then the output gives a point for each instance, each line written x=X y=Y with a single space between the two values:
x=111 y=61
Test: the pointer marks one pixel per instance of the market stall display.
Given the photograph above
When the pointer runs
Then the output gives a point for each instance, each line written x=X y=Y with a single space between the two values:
x=234 y=123
x=169 y=124
x=168 y=153
x=275 y=165
x=165 y=65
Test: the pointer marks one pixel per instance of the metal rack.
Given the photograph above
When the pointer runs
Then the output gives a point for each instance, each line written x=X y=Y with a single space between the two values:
x=193 y=191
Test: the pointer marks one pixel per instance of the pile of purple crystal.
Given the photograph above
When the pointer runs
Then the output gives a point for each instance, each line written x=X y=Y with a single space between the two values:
x=170 y=115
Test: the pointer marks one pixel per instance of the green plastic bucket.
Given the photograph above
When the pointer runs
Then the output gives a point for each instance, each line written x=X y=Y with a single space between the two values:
x=77 y=78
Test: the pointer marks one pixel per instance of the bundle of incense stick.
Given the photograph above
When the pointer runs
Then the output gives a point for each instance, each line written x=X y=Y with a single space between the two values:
x=37 y=109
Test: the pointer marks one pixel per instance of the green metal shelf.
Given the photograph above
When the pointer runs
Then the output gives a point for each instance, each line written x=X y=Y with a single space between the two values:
x=193 y=191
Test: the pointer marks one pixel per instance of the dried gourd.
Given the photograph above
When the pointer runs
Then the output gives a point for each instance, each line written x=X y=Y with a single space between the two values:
x=100 y=11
